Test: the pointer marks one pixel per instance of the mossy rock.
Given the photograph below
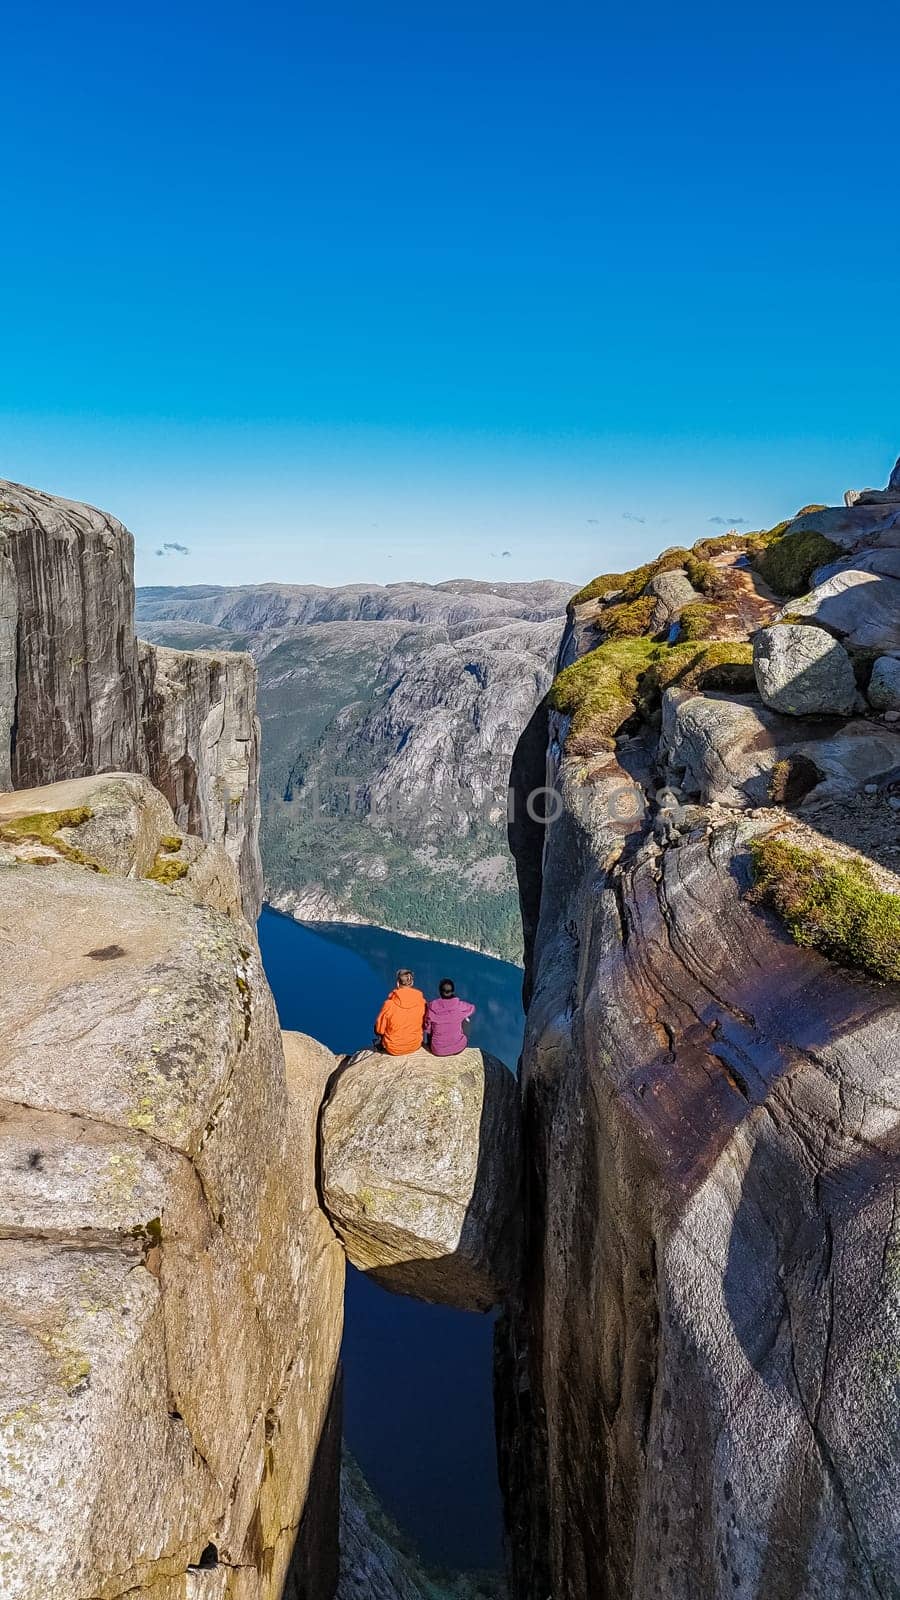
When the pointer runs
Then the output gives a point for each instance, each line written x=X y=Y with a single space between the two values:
x=832 y=904
x=697 y=621
x=787 y=563
x=166 y=870
x=44 y=827
x=631 y=584
x=628 y=620
x=621 y=678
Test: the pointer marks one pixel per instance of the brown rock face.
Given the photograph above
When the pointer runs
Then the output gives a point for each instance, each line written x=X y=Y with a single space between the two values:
x=79 y=695
x=170 y=1292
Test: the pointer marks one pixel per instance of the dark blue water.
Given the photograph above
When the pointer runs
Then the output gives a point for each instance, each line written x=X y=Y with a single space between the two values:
x=418 y=1403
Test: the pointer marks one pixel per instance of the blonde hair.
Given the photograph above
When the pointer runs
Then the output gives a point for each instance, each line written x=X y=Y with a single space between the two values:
x=405 y=978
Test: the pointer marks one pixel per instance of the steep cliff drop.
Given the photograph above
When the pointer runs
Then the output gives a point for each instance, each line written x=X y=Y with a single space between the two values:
x=698 y=1394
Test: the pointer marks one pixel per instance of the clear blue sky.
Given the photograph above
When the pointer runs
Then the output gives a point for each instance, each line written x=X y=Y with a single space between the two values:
x=385 y=289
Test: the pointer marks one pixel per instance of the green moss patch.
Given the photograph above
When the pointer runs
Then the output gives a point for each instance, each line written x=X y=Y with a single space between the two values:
x=629 y=619
x=170 y=843
x=610 y=684
x=632 y=584
x=43 y=827
x=698 y=620
x=787 y=563
x=832 y=904
x=165 y=870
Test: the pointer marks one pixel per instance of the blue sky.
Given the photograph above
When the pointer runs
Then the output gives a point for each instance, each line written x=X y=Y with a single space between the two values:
x=382 y=290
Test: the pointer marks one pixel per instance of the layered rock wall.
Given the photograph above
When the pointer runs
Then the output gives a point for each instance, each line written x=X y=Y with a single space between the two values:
x=697 y=1393
x=79 y=696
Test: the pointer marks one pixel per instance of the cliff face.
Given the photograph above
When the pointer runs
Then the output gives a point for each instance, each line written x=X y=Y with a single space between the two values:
x=697 y=1395
x=78 y=696
x=157 y=1193
x=388 y=740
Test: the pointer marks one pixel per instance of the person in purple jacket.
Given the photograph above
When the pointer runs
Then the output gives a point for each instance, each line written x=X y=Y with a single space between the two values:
x=446 y=1019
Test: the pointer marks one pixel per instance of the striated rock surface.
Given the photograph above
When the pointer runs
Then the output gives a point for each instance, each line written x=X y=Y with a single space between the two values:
x=68 y=691
x=79 y=696
x=158 y=1435
x=202 y=739
x=697 y=1388
x=420 y=1162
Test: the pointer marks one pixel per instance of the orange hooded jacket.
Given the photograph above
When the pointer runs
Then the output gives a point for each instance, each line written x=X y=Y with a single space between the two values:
x=401 y=1021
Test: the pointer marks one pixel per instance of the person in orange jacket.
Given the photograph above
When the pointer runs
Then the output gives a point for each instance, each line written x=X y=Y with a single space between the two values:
x=400 y=1023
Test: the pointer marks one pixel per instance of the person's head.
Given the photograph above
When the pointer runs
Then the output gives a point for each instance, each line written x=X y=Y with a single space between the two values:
x=405 y=978
x=447 y=988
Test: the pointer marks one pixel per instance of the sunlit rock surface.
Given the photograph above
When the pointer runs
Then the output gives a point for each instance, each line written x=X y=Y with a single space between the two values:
x=170 y=1292
x=421 y=1174
x=79 y=696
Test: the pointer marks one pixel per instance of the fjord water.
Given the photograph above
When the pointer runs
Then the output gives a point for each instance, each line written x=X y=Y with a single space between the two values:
x=418 y=1402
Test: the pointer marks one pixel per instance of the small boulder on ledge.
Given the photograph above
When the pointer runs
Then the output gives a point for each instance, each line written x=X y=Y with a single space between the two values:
x=803 y=672
x=884 y=684
x=421 y=1174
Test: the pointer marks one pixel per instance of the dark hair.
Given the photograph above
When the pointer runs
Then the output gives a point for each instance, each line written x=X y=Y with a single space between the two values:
x=447 y=988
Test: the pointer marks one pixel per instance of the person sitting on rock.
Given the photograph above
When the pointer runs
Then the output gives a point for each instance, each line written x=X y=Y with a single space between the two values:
x=446 y=1019
x=400 y=1024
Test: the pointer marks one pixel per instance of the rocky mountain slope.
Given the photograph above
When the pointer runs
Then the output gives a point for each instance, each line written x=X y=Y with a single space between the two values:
x=698 y=1392
x=389 y=728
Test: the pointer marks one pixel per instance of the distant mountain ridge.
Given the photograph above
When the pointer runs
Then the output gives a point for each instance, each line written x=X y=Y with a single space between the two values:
x=389 y=717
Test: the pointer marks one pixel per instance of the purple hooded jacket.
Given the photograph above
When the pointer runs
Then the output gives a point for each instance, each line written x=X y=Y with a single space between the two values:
x=444 y=1020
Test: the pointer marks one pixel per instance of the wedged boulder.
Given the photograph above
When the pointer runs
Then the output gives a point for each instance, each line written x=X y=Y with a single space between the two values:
x=884 y=685
x=421 y=1174
x=116 y=823
x=157 y=1192
x=803 y=672
x=202 y=738
x=861 y=607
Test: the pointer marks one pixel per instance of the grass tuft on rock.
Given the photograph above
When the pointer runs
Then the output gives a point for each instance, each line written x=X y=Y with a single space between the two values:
x=831 y=904
x=167 y=870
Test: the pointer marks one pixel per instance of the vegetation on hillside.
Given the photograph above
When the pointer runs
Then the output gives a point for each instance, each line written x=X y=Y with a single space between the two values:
x=831 y=903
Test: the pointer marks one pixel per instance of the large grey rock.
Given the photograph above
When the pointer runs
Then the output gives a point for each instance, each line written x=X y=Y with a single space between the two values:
x=875 y=497
x=862 y=607
x=722 y=750
x=421 y=1167
x=157 y=1187
x=884 y=685
x=202 y=738
x=672 y=592
x=78 y=696
x=803 y=671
